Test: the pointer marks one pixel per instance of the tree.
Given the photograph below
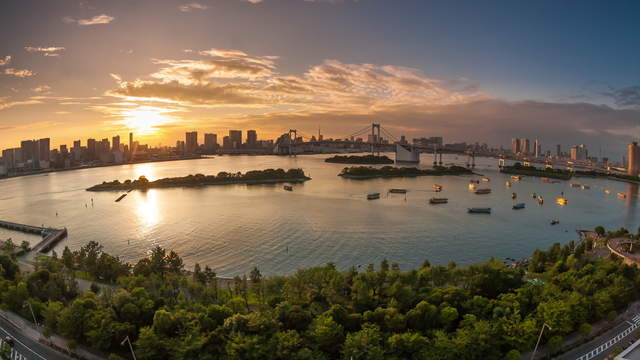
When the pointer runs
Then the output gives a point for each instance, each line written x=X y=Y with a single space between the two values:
x=151 y=346
x=365 y=344
x=327 y=334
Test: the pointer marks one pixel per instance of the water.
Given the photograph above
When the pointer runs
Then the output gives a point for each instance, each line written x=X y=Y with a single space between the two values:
x=328 y=219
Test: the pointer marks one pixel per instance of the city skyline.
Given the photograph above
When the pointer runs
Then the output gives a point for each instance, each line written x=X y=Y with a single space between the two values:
x=86 y=68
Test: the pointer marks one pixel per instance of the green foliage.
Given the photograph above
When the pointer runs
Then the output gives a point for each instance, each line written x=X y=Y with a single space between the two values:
x=366 y=172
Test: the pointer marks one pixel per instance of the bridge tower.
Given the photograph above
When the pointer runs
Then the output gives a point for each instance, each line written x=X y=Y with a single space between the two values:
x=293 y=135
x=435 y=155
x=375 y=137
x=501 y=162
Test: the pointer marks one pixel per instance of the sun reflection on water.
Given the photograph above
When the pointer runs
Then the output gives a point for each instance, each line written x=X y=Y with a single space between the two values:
x=147 y=210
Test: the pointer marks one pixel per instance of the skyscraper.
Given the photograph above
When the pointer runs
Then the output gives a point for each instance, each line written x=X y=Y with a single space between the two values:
x=235 y=136
x=537 y=148
x=191 y=142
x=44 y=149
x=91 y=149
x=579 y=152
x=524 y=146
x=115 y=143
x=252 y=138
x=558 y=151
x=515 y=145
x=210 y=142
x=633 y=158
x=29 y=150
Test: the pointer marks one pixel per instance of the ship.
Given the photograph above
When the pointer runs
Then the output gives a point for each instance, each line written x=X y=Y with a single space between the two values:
x=373 y=196
x=288 y=187
x=621 y=195
x=507 y=184
x=479 y=210
x=540 y=200
x=438 y=201
x=562 y=201
x=483 y=191
x=398 y=191
x=437 y=187
x=472 y=186
x=518 y=206
x=516 y=177
x=486 y=179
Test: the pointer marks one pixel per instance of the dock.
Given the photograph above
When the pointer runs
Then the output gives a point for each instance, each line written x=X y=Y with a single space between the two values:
x=50 y=236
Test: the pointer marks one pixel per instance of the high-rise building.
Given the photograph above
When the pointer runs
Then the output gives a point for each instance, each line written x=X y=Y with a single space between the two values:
x=235 y=136
x=537 y=148
x=29 y=150
x=558 y=151
x=44 y=149
x=91 y=149
x=579 y=152
x=115 y=142
x=210 y=142
x=252 y=138
x=524 y=146
x=227 y=143
x=191 y=142
x=633 y=158
x=515 y=146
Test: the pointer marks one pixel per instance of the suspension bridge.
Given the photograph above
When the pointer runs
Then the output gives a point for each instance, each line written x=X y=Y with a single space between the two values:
x=372 y=138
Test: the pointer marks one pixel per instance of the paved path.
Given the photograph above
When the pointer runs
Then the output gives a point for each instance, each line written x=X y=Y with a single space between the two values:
x=29 y=348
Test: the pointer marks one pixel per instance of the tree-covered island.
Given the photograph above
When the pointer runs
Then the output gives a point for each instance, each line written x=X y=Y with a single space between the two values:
x=519 y=169
x=368 y=172
x=268 y=176
x=360 y=159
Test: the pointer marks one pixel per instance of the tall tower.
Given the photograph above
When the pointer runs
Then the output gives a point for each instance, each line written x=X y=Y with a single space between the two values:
x=633 y=159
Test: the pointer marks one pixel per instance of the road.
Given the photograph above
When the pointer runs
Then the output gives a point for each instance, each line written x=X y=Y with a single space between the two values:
x=30 y=349
x=593 y=344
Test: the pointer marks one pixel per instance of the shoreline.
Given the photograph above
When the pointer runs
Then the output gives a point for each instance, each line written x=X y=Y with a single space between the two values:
x=367 y=177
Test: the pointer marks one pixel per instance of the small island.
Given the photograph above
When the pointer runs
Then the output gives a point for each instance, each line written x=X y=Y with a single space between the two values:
x=359 y=159
x=268 y=176
x=519 y=169
x=368 y=172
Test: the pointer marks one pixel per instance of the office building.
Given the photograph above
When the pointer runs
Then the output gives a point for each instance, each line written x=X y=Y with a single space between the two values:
x=115 y=142
x=579 y=152
x=44 y=149
x=191 y=142
x=235 y=136
x=227 y=143
x=524 y=146
x=210 y=142
x=537 y=148
x=633 y=158
x=558 y=151
x=252 y=138
x=515 y=146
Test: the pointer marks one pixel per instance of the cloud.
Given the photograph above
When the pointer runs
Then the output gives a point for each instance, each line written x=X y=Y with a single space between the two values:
x=628 y=96
x=96 y=20
x=46 y=51
x=192 y=6
x=8 y=105
x=5 y=61
x=42 y=89
x=21 y=73
x=254 y=1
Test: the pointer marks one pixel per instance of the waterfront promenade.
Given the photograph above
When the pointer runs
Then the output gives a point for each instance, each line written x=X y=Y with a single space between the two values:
x=50 y=236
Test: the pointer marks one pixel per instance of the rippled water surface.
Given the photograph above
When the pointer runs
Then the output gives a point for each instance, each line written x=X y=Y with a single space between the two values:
x=328 y=219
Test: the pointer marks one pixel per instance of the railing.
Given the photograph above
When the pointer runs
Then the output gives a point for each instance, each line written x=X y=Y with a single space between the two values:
x=614 y=340
x=13 y=354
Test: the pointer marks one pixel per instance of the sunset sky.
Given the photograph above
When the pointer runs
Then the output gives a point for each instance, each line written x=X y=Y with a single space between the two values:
x=561 y=71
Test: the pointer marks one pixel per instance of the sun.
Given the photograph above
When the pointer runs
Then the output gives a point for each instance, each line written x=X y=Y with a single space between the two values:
x=145 y=120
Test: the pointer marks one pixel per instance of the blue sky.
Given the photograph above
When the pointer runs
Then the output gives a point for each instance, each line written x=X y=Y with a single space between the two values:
x=449 y=68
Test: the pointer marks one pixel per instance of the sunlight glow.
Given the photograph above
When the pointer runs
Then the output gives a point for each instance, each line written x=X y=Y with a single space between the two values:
x=146 y=120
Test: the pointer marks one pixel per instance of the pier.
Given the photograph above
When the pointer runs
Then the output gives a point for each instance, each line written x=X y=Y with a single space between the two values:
x=50 y=236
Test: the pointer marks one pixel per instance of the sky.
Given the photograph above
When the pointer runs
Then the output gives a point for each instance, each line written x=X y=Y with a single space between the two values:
x=565 y=72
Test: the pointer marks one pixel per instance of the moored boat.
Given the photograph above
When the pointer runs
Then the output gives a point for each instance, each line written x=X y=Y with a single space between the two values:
x=398 y=191
x=585 y=187
x=121 y=197
x=507 y=183
x=486 y=179
x=518 y=206
x=562 y=201
x=373 y=196
x=555 y=222
x=472 y=186
x=514 y=195
x=516 y=177
x=574 y=185
x=437 y=187
x=288 y=187
x=438 y=200
x=483 y=191
x=476 y=210
x=607 y=191
x=621 y=195
x=540 y=200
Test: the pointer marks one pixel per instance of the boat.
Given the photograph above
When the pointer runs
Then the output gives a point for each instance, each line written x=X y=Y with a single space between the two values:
x=479 y=210
x=607 y=191
x=486 y=179
x=437 y=187
x=518 y=206
x=585 y=187
x=574 y=185
x=121 y=197
x=534 y=195
x=474 y=181
x=288 y=187
x=555 y=222
x=507 y=184
x=483 y=191
x=562 y=201
x=398 y=191
x=621 y=195
x=516 y=177
x=514 y=195
x=540 y=200
x=472 y=186
x=373 y=196
x=438 y=201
